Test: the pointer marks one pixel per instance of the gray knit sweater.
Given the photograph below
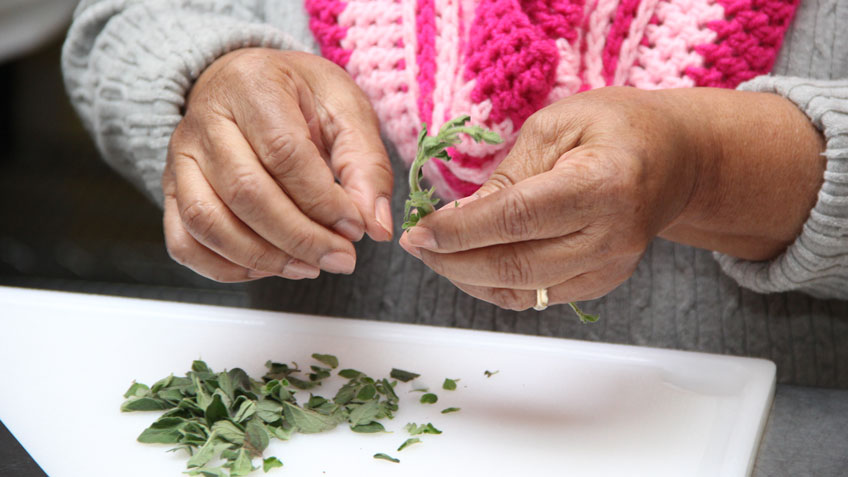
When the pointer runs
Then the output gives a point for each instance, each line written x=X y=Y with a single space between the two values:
x=128 y=65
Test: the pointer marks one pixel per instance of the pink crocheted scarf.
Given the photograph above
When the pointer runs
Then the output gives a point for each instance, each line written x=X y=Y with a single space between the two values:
x=501 y=60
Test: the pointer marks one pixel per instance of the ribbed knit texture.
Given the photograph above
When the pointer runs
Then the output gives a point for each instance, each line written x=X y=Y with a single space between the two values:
x=678 y=297
x=129 y=64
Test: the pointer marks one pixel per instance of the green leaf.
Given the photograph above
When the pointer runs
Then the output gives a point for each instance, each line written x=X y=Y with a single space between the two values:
x=449 y=384
x=489 y=374
x=144 y=404
x=160 y=436
x=401 y=375
x=368 y=428
x=208 y=472
x=137 y=390
x=450 y=410
x=199 y=366
x=241 y=465
x=429 y=398
x=364 y=413
x=229 y=432
x=307 y=421
x=367 y=392
x=387 y=457
x=584 y=317
x=246 y=410
x=225 y=384
x=281 y=433
x=327 y=359
x=203 y=398
x=270 y=463
x=350 y=373
x=269 y=411
x=207 y=452
x=216 y=410
x=408 y=442
x=256 y=438
x=415 y=429
x=386 y=388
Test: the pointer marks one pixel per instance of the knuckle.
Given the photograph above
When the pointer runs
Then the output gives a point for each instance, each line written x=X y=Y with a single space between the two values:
x=281 y=155
x=508 y=299
x=512 y=269
x=301 y=244
x=517 y=219
x=261 y=259
x=199 y=218
x=178 y=249
x=244 y=191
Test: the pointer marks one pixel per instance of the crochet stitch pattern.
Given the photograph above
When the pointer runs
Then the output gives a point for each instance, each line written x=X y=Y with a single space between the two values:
x=502 y=60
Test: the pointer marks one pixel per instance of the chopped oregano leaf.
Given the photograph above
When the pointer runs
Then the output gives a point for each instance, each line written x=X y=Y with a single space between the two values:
x=270 y=463
x=450 y=410
x=429 y=398
x=408 y=442
x=449 y=384
x=401 y=375
x=327 y=359
x=387 y=457
x=489 y=374
x=416 y=429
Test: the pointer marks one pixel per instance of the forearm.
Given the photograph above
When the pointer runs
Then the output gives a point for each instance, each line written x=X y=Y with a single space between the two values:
x=760 y=167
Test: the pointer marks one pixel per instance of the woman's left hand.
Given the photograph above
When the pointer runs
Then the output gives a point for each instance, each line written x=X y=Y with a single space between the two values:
x=592 y=179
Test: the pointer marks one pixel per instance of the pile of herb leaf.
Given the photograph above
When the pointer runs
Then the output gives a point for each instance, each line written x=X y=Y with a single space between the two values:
x=421 y=201
x=226 y=420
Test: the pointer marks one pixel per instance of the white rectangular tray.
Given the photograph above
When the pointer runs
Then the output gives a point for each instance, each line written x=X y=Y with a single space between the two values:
x=555 y=407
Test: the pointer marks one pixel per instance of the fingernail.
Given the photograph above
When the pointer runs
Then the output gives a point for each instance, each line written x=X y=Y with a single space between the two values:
x=414 y=251
x=296 y=270
x=338 y=262
x=421 y=237
x=383 y=213
x=258 y=274
x=350 y=230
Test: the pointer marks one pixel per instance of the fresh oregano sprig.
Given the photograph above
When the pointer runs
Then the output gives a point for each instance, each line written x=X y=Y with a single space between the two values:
x=421 y=202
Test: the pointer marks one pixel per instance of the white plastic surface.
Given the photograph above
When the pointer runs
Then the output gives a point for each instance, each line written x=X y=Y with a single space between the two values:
x=556 y=406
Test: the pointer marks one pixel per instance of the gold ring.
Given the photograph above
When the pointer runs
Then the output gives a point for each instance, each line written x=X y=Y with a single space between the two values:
x=541 y=299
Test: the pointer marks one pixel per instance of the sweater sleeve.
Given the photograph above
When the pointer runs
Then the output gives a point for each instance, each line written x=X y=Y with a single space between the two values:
x=128 y=65
x=817 y=262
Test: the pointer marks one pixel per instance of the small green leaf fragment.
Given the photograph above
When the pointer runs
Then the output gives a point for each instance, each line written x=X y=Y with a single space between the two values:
x=429 y=398
x=368 y=428
x=350 y=373
x=416 y=429
x=327 y=359
x=137 y=390
x=401 y=375
x=489 y=374
x=450 y=410
x=241 y=465
x=216 y=410
x=408 y=442
x=366 y=393
x=308 y=421
x=256 y=438
x=144 y=404
x=271 y=463
x=387 y=457
x=229 y=432
x=584 y=317
x=449 y=384
x=199 y=366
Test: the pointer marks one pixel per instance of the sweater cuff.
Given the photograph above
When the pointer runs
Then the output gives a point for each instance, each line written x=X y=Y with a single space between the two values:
x=129 y=65
x=817 y=262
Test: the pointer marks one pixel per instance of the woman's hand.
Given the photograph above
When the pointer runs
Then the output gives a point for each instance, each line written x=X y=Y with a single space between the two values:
x=250 y=182
x=594 y=178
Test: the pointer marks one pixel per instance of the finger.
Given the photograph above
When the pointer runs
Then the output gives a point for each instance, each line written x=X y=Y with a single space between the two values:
x=187 y=251
x=363 y=167
x=547 y=205
x=213 y=225
x=258 y=201
x=524 y=265
x=275 y=128
x=580 y=288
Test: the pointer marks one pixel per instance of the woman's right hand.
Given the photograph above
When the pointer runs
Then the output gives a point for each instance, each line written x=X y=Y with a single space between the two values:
x=250 y=181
